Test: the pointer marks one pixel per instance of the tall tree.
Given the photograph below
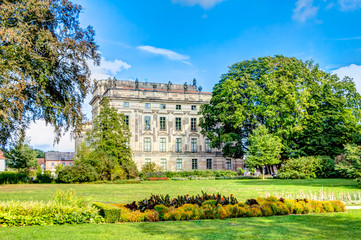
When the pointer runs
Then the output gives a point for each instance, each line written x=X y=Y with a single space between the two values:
x=43 y=65
x=109 y=139
x=313 y=112
x=264 y=149
x=21 y=157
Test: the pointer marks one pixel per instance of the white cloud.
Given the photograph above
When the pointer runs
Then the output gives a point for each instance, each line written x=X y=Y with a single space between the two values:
x=206 y=4
x=42 y=136
x=349 y=5
x=107 y=68
x=352 y=71
x=166 y=53
x=304 y=10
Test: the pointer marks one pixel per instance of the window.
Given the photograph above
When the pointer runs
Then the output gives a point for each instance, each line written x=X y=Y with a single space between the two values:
x=147 y=122
x=179 y=164
x=228 y=164
x=162 y=123
x=193 y=124
x=209 y=163
x=70 y=164
x=178 y=124
x=178 y=107
x=194 y=144
x=194 y=163
x=147 y=105
x=63 y=164
x=52 y=164
x=147 y=144
x=178 y=145
x=162 y=145
x=126 y=120
x=163 y=163
x=194 y=107
x=162 y=106
x=126 y=105
x=148 y=160
x=208 y=145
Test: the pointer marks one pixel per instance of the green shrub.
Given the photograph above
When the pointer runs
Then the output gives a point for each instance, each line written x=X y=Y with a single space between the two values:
x=267 y=210
x=77 y=173
x=300 y=168
x=44 y=178
x=161 y=209
x=111 y=214
x=64 y=208
x=13 y=177
x=327 y=206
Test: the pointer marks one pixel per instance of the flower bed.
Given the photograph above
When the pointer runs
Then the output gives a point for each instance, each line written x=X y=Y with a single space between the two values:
x=157 y=178
x=215 y=207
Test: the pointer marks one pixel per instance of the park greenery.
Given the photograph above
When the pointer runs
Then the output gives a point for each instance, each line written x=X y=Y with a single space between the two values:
x=44 y=74
x=21 y=157
x=66 y=207
x=264 y=149
x=108 y=156
x=311 y=112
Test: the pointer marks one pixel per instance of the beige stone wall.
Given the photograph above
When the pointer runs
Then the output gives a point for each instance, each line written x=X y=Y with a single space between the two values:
x=131 y=100
x=51 y=164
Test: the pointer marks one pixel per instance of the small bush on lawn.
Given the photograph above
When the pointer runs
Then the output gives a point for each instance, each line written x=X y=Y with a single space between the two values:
x=13 y=177
x=77 y=173
x=308 y=167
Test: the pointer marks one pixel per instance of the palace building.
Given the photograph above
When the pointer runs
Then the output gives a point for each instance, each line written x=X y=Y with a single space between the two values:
x=163 y=120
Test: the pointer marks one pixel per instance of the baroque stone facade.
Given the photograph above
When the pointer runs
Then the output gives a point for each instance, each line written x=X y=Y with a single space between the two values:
x=163 y=120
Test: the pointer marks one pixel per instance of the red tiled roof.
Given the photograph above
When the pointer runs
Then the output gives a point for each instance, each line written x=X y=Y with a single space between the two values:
x=2 y=155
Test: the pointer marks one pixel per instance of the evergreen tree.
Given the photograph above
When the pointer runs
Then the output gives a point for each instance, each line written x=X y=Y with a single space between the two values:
x=264 y=149
x=109 y=141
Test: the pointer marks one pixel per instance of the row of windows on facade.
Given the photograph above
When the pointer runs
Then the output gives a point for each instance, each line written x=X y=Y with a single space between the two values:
x=178 y=145
x=179 y=163
x=64 y=164
x=163 y=123
x=161 y=106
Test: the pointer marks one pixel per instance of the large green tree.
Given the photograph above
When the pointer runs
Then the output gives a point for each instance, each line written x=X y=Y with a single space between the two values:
x=43 y=65
x=109 y=141
x=21 y=157
x=264 y=149
x=313 y=112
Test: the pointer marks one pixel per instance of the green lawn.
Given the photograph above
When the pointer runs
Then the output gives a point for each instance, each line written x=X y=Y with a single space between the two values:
x=313 y=226
x=317 y=226
x=125 y=193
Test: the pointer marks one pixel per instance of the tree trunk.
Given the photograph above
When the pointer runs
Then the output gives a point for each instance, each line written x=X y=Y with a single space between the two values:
x=262 y=171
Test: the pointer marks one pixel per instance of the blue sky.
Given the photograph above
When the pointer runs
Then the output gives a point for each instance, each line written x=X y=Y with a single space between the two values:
x=178 y=40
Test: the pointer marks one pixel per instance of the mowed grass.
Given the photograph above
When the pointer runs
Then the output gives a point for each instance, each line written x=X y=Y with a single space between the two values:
x=312 y=226
x=126 y=193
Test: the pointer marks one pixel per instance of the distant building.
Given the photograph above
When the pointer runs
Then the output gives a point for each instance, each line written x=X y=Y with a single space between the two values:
x=163 y=120
x=53 y=159
x=41 y=163
x=2 y=162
